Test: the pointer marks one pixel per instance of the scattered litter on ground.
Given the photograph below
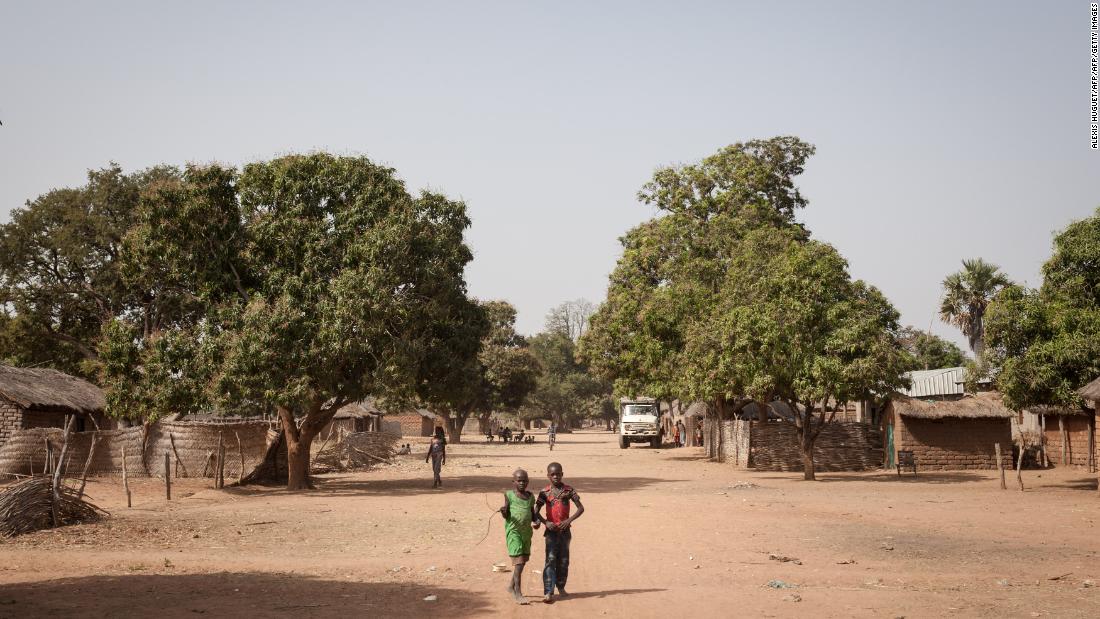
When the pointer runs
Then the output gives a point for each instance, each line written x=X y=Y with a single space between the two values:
x=780 y=584
x=794 y=597
x=784 y=559
x=846 y=562
x=1060 y=577
x=501 y=567
x=743 y=485
x=431 y=598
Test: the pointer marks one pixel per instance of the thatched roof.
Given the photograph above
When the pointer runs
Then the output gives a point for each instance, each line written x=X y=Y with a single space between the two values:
x=1091 y=391
x=1054 y=411
x=34 y=388
x=984 y=405
x=365 y=408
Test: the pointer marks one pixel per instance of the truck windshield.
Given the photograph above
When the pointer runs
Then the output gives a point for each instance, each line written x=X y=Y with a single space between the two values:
x=638 y=409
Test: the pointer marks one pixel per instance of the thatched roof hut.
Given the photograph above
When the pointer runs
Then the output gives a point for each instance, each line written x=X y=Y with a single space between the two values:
x=43 y=398
x=948 y=433
x=41 y=388
x=986 y=405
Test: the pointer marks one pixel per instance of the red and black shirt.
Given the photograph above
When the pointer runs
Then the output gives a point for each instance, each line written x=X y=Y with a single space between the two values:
x=557 y=502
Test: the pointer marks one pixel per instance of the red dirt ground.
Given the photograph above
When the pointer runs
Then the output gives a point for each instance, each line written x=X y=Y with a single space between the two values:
x=666 y=533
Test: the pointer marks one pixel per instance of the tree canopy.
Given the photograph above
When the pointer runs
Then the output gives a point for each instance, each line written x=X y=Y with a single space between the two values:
x=929 y=351
x=725 y=297
x=320 y=279
x=1045 y=344
x=967 y=294
x=62 y=269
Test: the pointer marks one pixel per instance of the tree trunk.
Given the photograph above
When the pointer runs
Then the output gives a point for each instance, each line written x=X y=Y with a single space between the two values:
x=807 y=443
x=454 y=427
x=298 y=442
x=484 y=423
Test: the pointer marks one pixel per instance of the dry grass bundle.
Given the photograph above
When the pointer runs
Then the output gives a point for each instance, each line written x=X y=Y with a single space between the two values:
x=28 y=505
x=355 y=450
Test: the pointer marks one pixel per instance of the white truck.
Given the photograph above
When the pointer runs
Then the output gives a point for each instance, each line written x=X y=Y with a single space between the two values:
x=639 y=422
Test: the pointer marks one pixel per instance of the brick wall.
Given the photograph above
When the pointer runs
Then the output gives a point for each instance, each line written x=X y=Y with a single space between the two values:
x=773 y=445
x=841 y=446
x=11 y=419
x=953 y=443
x=1078 y=428
x=413 y=424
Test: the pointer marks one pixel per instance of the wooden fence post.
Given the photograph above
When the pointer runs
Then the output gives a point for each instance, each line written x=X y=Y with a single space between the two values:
x=125 y=480
x=1000 y=465
x=1020 y=466
x=167 y=476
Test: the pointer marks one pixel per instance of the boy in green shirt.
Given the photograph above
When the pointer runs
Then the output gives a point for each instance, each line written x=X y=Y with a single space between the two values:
x=519 y=518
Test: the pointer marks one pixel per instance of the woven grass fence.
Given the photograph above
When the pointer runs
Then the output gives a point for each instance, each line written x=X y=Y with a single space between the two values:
x=192 y=448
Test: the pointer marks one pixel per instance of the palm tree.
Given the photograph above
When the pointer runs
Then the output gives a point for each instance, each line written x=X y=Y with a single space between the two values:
x=967 y=294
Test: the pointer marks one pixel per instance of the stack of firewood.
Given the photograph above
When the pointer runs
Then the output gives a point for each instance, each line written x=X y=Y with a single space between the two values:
x=355 y=450
x=29 y=506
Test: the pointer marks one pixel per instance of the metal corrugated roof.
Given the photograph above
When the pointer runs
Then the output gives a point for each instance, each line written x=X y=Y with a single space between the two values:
x=944 y=381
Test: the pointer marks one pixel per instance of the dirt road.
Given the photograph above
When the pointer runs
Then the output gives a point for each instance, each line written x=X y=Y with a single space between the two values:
x=665 y=534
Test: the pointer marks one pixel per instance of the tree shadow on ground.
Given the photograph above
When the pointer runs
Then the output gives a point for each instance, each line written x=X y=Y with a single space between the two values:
x=1084 y=483
x=227 y=594
x=929 y=477
x=478 y=484
x=605 y=594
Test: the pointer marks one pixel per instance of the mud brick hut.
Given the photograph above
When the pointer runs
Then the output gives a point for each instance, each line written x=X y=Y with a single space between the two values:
x=948 y=434
x=1069 y=435
x=364 y=416
x=415 y=422
x=43 y=398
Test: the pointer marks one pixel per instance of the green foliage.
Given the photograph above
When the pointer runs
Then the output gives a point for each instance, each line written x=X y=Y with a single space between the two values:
x=790 y=324
x=726 y=298
x=62 y=276
x=1045 y=344
x=566 y=391
x=496 y=378
x=929 y=351
x=967 y=294
x=297 y=286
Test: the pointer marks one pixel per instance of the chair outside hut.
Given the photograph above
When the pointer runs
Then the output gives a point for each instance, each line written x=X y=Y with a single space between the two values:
x=43 y=398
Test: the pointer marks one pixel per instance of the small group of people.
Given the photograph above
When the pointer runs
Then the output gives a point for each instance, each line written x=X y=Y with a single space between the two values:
x=680 y=433
x=405 y=449
x=522 y=511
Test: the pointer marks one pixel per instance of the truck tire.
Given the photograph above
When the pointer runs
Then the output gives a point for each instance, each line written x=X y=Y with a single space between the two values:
x=623 y=443
x=655 y=442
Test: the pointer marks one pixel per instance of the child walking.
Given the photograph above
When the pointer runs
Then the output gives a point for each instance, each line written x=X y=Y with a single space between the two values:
x=557 y=498
x=437 y=453
x=519 y=518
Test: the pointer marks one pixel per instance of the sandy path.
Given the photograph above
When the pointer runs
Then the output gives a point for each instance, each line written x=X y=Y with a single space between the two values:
x=665 y=533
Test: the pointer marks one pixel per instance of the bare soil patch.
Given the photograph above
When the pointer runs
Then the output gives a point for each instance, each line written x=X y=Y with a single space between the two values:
x=665 y=533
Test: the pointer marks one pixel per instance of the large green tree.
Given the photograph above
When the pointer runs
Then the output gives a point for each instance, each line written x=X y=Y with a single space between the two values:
x=967 y=294
x=1043 y=345
x=566 y=390
x=725 y=299
x=497 y=378
x=790 y=325
x=62 y=269
x=333 y=283
x=672 y=265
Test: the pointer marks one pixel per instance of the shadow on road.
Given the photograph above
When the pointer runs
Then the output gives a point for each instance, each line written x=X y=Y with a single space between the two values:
x=937 y=477
x=478 y=484
x=605 y=594
x=228 y=594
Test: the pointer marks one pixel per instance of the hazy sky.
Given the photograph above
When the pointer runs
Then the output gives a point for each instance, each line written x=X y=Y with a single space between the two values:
x=944 y=130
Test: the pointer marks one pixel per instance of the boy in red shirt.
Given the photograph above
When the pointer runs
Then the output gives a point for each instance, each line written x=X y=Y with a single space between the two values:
x=557 y=497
